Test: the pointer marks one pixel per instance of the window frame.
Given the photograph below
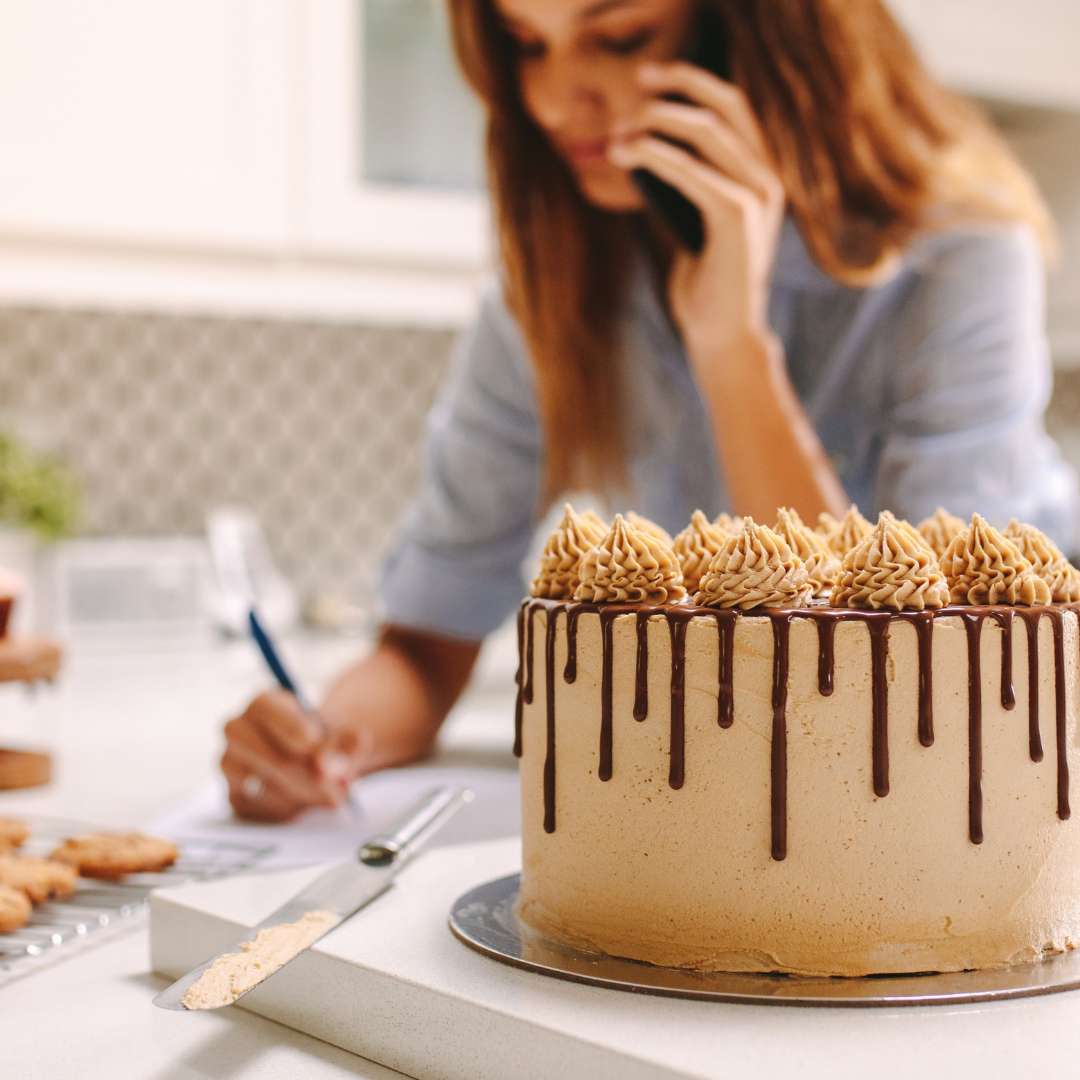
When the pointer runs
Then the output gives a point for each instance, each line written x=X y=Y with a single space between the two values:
x=412 y=226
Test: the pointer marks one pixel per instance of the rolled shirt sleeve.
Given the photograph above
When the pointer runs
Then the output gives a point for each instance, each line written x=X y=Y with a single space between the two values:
x=456 y=567
x=968 y=378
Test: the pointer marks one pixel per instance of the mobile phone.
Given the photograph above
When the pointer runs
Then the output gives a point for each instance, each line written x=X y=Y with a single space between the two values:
x=708 y=47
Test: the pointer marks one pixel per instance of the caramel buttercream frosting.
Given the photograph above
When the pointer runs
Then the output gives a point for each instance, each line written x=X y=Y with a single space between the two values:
x=597 y=520
x=849 y=532
x=630 y=566
x=983 y=567
x=643 y=524
x=235 y=974
x=822 y=566
x=940 y=529
x=826 y=525
x=560 y=564
x=1047 y=561
x=755 y=568
x=696 y=547
x=890 y=568
x=730 y=525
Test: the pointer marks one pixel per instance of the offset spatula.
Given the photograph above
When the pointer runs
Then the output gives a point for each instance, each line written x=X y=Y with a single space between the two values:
x=346 y=888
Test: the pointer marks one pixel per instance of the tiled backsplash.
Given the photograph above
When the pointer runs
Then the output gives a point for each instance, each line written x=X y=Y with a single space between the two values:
x=316 y=427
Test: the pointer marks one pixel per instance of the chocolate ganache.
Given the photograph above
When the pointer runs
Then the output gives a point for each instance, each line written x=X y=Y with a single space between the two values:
x=825 y=618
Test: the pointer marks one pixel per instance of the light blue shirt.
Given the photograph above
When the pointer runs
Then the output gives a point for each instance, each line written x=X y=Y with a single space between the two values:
x=927 y=390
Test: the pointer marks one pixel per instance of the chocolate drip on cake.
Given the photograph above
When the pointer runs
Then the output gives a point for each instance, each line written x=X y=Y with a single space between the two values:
x=973 y=621
x=725 y=699
x=677 y=621
x=1004 y=619
x=607 y=618
x=641 y=666
x=878 y=624
x=572 y=613
x=1035 y=746
x=826 y=661
x=527 y=689
x=1057 y=623
x=1032 y=618
x=781 y=626
x=923 y=621
x=519 y=680
x=549 y=692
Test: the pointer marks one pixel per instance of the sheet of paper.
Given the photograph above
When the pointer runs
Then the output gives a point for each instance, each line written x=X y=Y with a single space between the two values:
x=320 y=836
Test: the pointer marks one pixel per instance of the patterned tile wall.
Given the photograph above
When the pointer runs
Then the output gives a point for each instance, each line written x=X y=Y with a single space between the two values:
x=314 y=426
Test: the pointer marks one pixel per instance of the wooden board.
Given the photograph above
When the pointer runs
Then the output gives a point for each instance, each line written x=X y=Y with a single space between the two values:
x=394 y=985
x=28 y=659
x=23 y=769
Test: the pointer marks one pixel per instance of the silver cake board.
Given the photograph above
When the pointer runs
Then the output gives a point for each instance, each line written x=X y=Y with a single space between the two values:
x=484 y=919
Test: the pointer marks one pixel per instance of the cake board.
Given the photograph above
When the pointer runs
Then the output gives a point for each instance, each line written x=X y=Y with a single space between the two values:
x=394 y=985
x=484 y=919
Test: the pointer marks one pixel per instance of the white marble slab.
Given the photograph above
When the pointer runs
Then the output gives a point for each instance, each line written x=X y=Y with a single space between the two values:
x=395 y=986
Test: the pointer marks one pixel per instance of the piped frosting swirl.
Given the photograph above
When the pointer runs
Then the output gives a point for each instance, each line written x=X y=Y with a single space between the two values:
x=822 y=566
x=755 y=568
x=940 y=529
x=643 y=524
x=630 y=566
x=730 y=525
x=826 y=525
x=560 y=564
x=983 y=567
x=849 y=532
x=890 y=568
x=1047 y=561
x=696 y=547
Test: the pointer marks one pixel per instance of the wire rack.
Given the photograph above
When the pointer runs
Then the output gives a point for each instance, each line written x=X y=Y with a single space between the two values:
x=99 y=909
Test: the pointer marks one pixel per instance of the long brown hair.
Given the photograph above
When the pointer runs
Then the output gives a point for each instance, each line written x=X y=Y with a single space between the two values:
x=871 y=151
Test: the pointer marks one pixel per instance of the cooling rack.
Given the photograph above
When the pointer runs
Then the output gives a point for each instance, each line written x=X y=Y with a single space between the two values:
x=99 y=909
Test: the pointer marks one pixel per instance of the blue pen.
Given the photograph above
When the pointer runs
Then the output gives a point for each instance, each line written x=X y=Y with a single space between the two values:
x=273 y=661
x=335 y=764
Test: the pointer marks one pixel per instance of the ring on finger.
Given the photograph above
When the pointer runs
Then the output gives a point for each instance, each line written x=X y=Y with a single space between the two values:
x=253 y=786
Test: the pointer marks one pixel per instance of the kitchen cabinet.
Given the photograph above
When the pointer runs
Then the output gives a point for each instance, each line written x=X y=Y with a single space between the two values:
x=205 y=155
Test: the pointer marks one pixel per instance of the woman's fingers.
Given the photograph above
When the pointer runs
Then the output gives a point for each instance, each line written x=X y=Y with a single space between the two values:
x=296 y=777
x=715 y=142
x=703 y=88
x=269 y=804
x=285 y=724
x=718 y=197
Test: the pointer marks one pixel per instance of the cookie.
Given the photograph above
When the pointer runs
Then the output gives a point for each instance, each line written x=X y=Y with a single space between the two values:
x=12 y=834
x=103 y=855
x=14 y=909
x=40 y=879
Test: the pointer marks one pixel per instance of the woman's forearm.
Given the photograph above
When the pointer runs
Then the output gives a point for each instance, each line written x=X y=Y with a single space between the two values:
x=770 y=453
x=388 y=708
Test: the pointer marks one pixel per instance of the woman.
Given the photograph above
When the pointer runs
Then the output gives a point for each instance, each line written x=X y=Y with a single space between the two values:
x=863 y=322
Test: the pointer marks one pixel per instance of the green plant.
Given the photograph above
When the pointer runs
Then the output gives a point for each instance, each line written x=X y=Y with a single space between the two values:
x=36 y=491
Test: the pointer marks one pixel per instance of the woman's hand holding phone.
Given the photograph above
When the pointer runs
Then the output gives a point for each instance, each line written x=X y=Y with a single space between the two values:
x=708 y=145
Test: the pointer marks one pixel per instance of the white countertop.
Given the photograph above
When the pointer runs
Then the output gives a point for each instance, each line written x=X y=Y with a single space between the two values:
x=135 y=727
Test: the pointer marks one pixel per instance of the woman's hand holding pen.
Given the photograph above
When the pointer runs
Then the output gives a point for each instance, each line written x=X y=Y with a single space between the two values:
x=281 y=759
x=709 y=145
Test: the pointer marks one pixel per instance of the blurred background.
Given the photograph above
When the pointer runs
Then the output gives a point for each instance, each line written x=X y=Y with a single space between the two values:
x=238 y=238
